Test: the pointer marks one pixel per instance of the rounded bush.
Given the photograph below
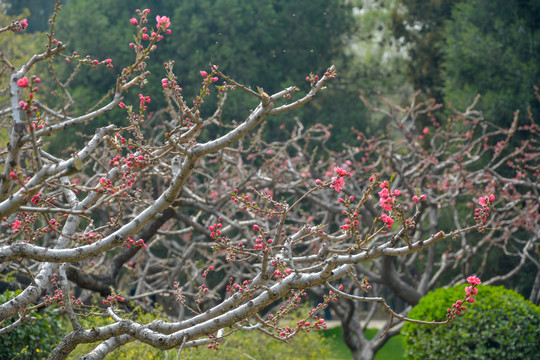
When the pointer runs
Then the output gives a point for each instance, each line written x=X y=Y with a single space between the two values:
x=500 y=324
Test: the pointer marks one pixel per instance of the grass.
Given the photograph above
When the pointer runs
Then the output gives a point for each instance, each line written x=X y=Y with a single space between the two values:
x=391 y=350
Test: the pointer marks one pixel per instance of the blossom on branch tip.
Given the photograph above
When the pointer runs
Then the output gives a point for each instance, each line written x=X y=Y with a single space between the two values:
x=23 y=82
x=337 y=183
x=474 y=280
x=19 y=25
x=134 y=21
x=485 y=200
x=387 y=220
x=163 y=21
x=341 y=172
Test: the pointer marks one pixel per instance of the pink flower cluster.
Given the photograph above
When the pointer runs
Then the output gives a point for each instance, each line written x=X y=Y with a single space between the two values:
x=112 y=299
x=486 y=201
x=388 y=220
x=482 y=213
x=205 y=74
x=470 y=292
x=387 y=197
x=338 y=182
x=16 y=224
x=130 y=242
x=163 y=22
x=18 y=26
x=23 y=82
x=144 y=99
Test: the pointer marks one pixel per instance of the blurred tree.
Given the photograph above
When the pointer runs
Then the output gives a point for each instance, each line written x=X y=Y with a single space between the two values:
x=492 y=48
x=420 y=25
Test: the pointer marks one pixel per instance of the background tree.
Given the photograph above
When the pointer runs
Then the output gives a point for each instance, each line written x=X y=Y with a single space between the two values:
x=492 y=48
x=421 y=26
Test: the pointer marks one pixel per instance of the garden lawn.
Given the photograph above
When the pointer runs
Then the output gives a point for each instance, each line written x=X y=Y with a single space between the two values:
x=391 y=350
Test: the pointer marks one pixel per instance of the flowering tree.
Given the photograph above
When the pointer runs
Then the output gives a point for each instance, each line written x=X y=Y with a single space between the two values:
x=236 y=228
x=448 y=169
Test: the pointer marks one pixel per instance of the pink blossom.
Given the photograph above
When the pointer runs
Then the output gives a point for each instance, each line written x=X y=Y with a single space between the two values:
x=492 y=198
x=340 y=171
x=384 y=193
x=471 y=291
x=163 y=21
x=19 y=25
x=423 y=197
x=425 y=131
x=134 y=21
x=387 y=220
x=16 y=224
x=203 y=73
x=23 y=82
x=122 y=105
x=474 y=280
x=337 y=183
x=415 y=198
x=397 y=192
x=387 y=203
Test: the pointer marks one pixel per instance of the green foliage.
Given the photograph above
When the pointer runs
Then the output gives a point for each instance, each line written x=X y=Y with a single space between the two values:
x=32 y=340
x=492 y=48
x=420 y=24
x=255 y=345
x=500 y=324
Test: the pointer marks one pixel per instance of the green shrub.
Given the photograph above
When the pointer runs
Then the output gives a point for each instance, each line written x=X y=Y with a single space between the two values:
x=31 y=340
x=500 y=324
